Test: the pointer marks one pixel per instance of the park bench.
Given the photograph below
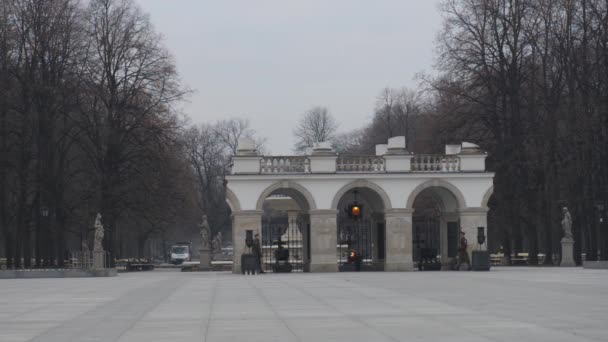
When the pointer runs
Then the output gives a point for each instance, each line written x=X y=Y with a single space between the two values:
x=519 y=259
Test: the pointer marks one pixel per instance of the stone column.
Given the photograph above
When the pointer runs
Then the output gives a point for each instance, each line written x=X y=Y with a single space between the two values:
x=323 y=241
x=241 y=222
x=376 y=261
x=443 y=234
x=305 y=238
x=470 y=219
x=399 y=247
x=99 y=259
x=443 y=240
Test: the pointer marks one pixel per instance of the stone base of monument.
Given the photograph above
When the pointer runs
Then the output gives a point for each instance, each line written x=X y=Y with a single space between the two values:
x=205 y=264
x=596 y=265
x=481 y=261
x=99 y=260
x=567 y=253
x=57 y=273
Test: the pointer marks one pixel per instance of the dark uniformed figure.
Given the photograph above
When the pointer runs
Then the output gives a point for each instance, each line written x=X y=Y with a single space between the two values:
x=463 y=255
x=257 y=250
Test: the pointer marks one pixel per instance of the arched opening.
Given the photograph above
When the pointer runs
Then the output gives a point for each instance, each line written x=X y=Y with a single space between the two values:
x=285 y=240
x=435 y=226
x=361 y=234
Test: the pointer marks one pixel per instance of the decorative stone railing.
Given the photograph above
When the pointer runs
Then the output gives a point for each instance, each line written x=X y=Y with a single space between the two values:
x=360 y=164
x=435 y=163
x=363 y=164
x=284 y=164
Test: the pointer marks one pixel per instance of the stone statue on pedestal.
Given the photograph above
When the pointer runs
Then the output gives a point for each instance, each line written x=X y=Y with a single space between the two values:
x=567 y=240
x=567 y=224
x=205 y=233
x=98 y=242
x=205 y=250
x=98 y=252
x=217 y=243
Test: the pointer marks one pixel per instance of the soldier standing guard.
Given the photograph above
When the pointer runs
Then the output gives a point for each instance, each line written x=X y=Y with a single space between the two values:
x=463 y=255
x=257 y=250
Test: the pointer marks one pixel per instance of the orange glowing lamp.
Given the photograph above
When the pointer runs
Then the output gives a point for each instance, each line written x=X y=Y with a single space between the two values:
x=355 y=210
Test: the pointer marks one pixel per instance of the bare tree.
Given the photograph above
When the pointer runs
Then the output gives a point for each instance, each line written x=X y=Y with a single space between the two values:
x=316 y=125
x=395 y=114
x=209 y=158
x=231 y=131
x=131 y=85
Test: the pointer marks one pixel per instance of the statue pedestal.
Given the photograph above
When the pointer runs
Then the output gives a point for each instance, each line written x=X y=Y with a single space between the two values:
x=567 y=253
x=99 y=259
x=205 y=259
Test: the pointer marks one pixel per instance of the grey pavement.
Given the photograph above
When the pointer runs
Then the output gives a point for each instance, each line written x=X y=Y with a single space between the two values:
x=506 y=304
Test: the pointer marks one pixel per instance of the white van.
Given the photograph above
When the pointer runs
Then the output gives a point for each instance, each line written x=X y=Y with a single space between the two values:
x=181 y=252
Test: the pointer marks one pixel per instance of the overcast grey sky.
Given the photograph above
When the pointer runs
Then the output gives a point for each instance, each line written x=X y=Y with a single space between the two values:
x=270 y=61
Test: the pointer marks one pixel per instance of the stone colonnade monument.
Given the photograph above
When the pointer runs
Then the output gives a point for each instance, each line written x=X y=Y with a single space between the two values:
x=322 y=182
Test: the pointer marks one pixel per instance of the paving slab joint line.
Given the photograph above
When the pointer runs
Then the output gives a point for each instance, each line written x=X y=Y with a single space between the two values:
x=41 y=337
x=351 y=317
x=261 y=294
x=211 y=303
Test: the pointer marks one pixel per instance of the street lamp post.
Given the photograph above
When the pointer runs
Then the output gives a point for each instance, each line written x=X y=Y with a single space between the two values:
x=602 y=233
x=42 y=240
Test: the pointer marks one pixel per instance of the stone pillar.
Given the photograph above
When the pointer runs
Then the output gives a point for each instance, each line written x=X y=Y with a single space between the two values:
x=470 y=219
x=99 y=259
x=443 y=240
x=323 y=241
x=205 y=259
x=443 y=235
x=305 y=238
x=241 y=222
x=376 y=261
x=399 y=247
x=323 y=158
x=567 y=252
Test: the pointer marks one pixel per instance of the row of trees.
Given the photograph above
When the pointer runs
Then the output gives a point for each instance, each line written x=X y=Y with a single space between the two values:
x=88 y=125
x=528 y=80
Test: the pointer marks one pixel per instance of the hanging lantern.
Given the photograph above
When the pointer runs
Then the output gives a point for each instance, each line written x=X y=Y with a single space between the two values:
x=355 y=210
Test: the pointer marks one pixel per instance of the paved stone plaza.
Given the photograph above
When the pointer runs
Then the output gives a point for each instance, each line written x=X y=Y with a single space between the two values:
x=506 y=304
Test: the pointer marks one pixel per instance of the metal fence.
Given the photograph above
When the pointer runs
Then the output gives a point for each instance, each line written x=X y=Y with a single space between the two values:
x=86 y=260
x=282 y=245
x=355 y=241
